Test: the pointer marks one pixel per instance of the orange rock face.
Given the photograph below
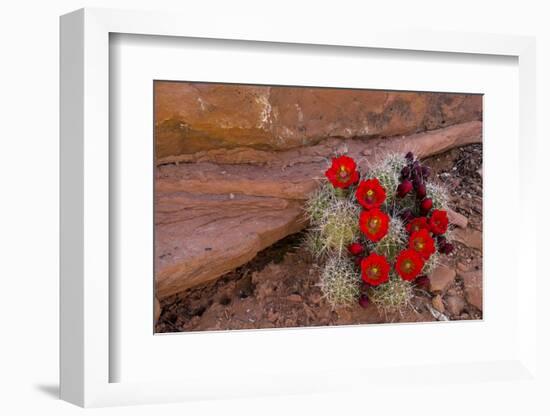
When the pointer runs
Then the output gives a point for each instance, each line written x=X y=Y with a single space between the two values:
x=194 y=117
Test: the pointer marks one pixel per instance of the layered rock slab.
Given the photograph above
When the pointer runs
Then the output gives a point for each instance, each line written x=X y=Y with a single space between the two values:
x=214 y=214
x=200 y=237
x=193 y=117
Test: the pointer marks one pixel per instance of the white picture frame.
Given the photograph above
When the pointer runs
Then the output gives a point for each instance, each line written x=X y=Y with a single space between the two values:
x=86 y=356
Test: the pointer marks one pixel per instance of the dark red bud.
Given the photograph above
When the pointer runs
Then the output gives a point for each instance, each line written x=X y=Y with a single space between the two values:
x=405 y=172
x=426 y=205
x=364 y=301
x=448 y=248
x=421 y=191
x=355 y=248
x=422 y=282
x=404 y=188
x=441 y=241
x=409 y=156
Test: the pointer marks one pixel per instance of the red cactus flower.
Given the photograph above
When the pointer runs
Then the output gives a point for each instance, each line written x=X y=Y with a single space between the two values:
x=439 y=222
x=418 y=224
x=375 y=269
x=342 y=173
x=370 y=194
x=404 y=188
x=422 y=243
x=426 y=205
x=374 y=224
x=355 y=249
x=408 y=264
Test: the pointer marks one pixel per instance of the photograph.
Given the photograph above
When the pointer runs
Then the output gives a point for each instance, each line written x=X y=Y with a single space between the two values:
x=304 y=206
x=227 y=208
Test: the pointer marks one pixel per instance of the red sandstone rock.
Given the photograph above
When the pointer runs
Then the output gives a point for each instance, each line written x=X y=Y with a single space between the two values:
x=457 y=219
x=193 y=117
x=455 y=305
x=157 y=310
x=469 y=237
x=201 y=237
x=441 y=278
x=473 y=287
x=437 y=303
x=430 y=143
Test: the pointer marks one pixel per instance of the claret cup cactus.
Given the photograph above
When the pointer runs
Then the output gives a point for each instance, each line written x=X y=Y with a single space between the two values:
x=379 y=233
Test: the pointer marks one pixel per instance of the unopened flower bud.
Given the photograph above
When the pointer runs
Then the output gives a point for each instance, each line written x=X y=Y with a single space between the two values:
x=426 y=205
x=364 y=301
x=404 y=188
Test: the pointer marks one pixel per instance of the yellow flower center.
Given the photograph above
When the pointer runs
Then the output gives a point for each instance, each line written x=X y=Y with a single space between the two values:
x=419 y=244
x=407 y=266
x=374 y=224
x=343 y=172
x=369 y=195
x=373 y=272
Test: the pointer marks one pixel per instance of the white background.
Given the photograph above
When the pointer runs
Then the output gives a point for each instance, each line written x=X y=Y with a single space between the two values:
x=29 y=180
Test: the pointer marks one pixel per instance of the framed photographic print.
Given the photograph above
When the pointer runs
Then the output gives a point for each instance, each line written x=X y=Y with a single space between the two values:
x=282 y=213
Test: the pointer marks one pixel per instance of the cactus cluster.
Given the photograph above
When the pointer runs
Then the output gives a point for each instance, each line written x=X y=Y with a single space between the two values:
x=339 y=282
x=377 y=233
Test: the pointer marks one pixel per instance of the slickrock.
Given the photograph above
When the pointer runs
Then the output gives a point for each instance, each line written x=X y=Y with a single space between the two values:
x=200 y=237
x=193 y=117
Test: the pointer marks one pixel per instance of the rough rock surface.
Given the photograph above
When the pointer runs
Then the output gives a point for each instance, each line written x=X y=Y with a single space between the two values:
x=192 y=117
x=455 y=305
x=473 y=287
x=437 y=303
x=441 y=278
x=158 y=310
x=469 y=237
x=457 y=219
x=216 y=210
x=202 y=236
